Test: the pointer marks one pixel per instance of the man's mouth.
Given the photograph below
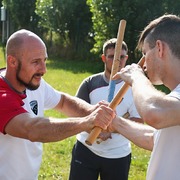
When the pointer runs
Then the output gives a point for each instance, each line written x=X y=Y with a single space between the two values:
x=37 y=76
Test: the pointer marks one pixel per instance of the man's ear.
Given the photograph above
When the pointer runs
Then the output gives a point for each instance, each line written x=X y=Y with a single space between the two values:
x=160 y=47
x=103 y=57
x=11 y=61
x=126 y=58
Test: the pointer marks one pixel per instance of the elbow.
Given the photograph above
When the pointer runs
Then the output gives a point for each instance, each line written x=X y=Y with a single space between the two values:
x=148 y=147
x=148 y=142
x=33 y=136
x=152 y=118
x=34 y=132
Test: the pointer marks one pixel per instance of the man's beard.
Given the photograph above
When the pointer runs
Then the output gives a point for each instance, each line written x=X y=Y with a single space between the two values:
x=28 y=85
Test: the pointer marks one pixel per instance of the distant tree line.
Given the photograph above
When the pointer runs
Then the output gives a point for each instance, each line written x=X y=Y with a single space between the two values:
x=78 y=28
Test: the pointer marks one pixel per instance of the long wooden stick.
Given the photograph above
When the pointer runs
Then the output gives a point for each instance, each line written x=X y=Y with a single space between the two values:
x=117 y=99
x=116 y=60
x=118 y=48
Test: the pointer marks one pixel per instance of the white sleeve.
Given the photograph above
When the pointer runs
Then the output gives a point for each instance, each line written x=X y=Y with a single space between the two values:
x=51 y=96
x=131 y=105
x=175 y=93
x=133 y=111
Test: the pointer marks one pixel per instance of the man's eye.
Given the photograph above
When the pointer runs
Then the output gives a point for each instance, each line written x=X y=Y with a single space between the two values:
x=35 y=62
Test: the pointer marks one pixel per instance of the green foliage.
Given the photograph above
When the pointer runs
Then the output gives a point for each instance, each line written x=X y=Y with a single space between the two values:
x=70 y=19
x=72 y=28
x=108 y=13
x=22 y=14
x=2 y=58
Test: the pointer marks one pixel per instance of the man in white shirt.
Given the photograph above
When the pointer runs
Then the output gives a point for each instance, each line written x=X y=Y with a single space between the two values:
x=159 y=42
x=24 y=95
x=112 y=157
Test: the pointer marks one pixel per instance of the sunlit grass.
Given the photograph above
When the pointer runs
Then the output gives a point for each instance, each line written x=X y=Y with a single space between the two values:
x=66 y=76
x=57 y=156
x=2 y=58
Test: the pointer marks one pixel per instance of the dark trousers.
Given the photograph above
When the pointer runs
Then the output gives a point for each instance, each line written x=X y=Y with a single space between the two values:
x=85 y=165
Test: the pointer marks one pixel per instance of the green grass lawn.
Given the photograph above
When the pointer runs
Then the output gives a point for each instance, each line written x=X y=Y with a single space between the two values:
x=66 y=76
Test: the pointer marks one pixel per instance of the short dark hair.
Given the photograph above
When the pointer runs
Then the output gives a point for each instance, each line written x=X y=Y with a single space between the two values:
x=111 y=43
x=165 y=28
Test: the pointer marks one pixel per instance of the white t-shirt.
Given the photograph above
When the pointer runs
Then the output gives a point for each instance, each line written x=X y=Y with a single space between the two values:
x=118 y=146
x=165 y=159
x=20 y=159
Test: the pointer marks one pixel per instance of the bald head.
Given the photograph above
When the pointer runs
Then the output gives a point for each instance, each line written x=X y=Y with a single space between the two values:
x=26 y=57
x=19 y=42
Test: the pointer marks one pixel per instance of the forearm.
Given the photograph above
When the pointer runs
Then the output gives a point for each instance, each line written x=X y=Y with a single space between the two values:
x=42 y=129
x=138 y=120
x=52 y=130
x=156 y=108
x=141 y=135
x=73 y=106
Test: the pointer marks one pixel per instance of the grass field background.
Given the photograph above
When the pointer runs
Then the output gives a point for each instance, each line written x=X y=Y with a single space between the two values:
x=66 y=76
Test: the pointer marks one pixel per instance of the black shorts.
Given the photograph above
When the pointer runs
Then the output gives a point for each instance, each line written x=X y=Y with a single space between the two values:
x=85 y=165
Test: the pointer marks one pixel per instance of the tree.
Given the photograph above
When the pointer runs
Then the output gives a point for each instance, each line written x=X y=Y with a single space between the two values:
x=108 y=13
x=70 y=19
x=22 y=14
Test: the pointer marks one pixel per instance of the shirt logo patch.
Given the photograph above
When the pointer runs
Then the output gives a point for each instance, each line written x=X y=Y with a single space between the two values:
x=34 y=106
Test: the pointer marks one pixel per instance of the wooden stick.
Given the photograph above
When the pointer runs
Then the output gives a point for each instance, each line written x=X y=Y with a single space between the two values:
x=117 y=99
x=116 y=60
x=118 y=48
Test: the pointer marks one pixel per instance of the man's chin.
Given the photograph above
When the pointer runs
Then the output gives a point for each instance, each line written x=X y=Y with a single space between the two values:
x=32 y=87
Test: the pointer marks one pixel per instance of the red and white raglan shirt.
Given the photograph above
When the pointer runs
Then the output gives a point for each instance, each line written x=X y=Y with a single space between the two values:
x=11 y=104
x=20 y=159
